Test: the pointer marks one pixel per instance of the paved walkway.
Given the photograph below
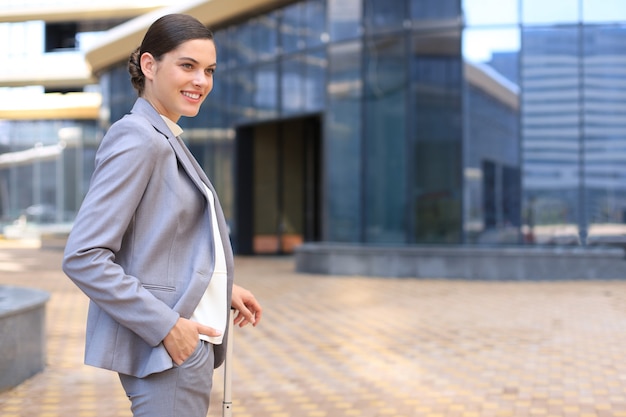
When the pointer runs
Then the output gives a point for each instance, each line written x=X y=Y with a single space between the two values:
x=354 y=346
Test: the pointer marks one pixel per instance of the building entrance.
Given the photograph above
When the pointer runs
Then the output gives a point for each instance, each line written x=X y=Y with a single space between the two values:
x=278 y=185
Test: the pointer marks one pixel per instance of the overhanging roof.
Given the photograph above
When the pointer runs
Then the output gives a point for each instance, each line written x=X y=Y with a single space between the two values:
x=57 y=70
x=117 y=44
x=77 y=10
x=52 y=106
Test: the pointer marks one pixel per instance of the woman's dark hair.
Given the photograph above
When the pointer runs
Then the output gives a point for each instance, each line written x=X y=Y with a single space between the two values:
x=163 y=36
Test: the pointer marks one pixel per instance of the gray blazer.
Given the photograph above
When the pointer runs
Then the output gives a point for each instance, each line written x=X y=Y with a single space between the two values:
x=141 y=247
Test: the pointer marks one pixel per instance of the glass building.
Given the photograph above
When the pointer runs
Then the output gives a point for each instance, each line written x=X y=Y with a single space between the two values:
x=406 y=122
x=50 y=106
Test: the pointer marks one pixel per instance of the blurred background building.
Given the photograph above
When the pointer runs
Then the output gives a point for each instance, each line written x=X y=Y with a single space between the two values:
x=396 y=122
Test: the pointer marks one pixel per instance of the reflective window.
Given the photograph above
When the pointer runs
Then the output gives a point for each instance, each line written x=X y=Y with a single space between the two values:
x=117 y=92
x=303 y=82
x=225 y=48
x=292 y=28
x=550 y=12
x=265 y=29
x=315 y=18
x=490 y=12
x=435 y=152
x=266 y=92
x=492 y=169
x=45 y=186
x=344 y=19
x=292 y=85
x=604 y=11
x=380 y=16
x=241 y=45
x=228 y=97
x=605 y=132
x=385 y=140
x=430 y=10
x=342 y=143
x=244 y=92
x=551 y=150
x=315 y=65
x=303 y=25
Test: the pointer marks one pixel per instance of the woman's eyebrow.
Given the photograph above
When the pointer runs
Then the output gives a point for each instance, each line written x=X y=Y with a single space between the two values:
x=188 y=58
x=195 y=61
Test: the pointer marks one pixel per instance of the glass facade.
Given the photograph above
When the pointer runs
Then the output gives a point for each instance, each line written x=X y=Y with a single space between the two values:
x=45 y=164
x=418 y=121
x=45 y=167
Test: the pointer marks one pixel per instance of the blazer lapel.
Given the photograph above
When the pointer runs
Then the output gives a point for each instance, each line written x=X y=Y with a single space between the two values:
x=188 y=162
x=143 y=107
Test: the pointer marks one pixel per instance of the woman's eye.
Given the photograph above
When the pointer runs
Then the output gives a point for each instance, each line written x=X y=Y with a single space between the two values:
x=187 y=66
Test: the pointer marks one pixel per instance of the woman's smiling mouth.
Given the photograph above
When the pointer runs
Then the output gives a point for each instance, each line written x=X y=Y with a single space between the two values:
x=194 y=96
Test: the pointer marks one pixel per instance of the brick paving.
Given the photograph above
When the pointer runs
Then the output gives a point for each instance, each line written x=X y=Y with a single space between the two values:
x=366 y=347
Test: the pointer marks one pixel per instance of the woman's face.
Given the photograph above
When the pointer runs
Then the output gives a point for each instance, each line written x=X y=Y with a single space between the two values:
x=178 y=83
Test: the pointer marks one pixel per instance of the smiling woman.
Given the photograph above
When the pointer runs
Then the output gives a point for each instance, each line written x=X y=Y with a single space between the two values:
x=180 y=80
x=150 y=244
x=174 y=76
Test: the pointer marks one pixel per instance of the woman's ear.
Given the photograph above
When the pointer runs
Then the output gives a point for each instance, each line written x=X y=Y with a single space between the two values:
x=148 y=65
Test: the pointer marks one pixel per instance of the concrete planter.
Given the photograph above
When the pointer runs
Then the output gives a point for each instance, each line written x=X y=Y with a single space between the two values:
x=22 y=334
x=463 y=262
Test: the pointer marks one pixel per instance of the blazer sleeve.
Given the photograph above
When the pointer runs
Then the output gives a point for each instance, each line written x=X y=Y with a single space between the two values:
x=126 y=160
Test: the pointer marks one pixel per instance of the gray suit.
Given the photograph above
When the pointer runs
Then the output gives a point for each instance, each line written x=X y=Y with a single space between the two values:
x=142 y=247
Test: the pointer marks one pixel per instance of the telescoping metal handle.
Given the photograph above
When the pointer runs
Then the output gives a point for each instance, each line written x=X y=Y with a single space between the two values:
x=227 y=404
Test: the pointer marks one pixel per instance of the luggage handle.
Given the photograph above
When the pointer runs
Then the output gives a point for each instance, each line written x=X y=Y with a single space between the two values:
x=227 y=404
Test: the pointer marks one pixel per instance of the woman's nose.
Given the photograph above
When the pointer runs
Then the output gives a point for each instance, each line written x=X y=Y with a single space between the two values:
x=201 y=79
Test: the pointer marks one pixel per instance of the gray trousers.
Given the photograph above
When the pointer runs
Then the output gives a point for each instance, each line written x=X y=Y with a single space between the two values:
x=182 y=391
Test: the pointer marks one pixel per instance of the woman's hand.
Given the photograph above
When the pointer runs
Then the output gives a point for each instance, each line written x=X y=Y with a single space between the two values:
x=183 y=338
x=248 y=308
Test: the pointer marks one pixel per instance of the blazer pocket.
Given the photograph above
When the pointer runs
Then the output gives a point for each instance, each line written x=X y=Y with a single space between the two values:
x=155 y=287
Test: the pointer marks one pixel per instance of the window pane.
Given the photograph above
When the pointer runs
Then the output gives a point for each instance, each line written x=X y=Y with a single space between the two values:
x=343 y=144
x=265 y=30
x=292 y=85
x=385 y=138
x=436 y=143
x=243 y=46
x=315 y=65
x=429 y=10
x=244 y=92
x=303 y=25
x=225 y=47
x=490 y=12
x=315 y=22
x=549 y=12
x=551 y=106
x=384 y=15
x=605 y=132
x=266 y=92
x=292 y=28
x=303 y=83
x=344 y=18
x=492 y=174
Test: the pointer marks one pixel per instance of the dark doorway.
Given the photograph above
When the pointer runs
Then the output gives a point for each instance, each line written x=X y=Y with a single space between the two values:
x=278 y=186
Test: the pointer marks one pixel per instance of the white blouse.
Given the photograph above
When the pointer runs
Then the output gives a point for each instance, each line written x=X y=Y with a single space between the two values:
x=212 y=310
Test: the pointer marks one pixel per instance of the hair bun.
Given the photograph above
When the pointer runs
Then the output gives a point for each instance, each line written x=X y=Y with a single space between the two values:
x=134 y=68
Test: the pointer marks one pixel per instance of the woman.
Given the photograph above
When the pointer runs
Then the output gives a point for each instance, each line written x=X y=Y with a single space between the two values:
x=150 y=244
